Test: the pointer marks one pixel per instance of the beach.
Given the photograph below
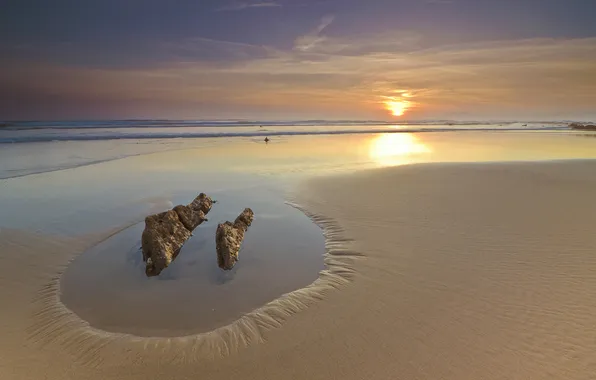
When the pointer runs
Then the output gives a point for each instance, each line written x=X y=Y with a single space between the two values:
x=297 y=190
x=446 y=256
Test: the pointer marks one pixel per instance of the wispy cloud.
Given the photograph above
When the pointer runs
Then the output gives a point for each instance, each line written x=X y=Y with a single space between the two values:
x=387 y=42
x=314 y=37
x=246 y=5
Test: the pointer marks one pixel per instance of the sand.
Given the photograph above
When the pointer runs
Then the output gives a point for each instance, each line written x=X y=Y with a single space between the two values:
x=435 y=271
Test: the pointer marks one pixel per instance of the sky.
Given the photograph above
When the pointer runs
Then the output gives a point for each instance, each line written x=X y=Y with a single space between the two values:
x=298 y=59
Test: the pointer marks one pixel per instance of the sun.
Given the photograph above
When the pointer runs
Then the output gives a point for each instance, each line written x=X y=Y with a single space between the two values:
x=397 y=107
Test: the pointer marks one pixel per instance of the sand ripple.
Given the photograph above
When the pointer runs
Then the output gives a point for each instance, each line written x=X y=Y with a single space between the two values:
x=33 y=270
x=469 y=272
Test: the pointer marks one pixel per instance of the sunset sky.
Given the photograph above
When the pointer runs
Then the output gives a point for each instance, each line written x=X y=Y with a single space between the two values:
x=298 y=59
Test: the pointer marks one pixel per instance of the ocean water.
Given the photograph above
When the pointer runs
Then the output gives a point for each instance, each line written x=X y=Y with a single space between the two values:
x=24 y=147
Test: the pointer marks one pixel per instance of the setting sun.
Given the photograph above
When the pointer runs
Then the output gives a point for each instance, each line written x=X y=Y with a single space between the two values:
x=397 y=107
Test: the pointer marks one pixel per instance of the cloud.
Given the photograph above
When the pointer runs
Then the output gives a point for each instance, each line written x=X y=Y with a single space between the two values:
x=334 y=77
x=387 y=42
x=209 y=51
x=311 y=39
x=246 y=5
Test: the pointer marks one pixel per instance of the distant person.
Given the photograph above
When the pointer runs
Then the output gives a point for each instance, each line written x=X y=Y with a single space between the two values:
x=266 y=140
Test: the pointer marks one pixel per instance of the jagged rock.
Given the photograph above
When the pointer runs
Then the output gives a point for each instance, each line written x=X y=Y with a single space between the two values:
x=166 y=233
x=189 y=217
x=583 y=127
x=194 y=214
x=203 y=203
x=229 y=237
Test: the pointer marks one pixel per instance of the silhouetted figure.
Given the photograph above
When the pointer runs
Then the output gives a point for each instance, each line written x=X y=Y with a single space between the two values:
x=266 y=140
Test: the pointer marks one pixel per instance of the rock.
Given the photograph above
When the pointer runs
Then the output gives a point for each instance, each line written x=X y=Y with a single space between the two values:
x=162 y=239
x=166 y=233
x=189 y=217
x=229 y=237
x=583 y=127
x=245 y=219
x=203 y=203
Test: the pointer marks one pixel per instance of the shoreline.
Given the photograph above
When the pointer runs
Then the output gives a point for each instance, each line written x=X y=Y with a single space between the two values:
x=146 y=149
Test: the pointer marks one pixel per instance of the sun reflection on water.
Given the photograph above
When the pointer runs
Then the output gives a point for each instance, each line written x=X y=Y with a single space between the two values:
x=390 y=149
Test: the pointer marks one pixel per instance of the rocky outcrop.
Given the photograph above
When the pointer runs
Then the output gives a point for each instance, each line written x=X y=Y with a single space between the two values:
x=229 y=237
x=583 y=127
x=166 y=233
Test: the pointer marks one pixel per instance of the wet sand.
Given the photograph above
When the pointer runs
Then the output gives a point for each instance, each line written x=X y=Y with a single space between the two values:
x=451 y=271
